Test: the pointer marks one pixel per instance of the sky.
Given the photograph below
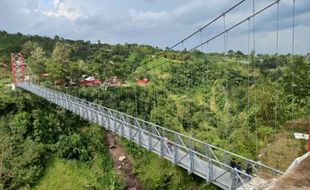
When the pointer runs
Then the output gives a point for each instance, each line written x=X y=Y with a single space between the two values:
x=161 y=23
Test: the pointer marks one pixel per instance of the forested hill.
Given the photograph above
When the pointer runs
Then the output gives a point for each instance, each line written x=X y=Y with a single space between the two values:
x=245 y=104
x=80 y=50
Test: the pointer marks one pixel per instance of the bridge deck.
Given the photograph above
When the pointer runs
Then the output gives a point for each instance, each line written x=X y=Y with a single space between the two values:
x=180 y=151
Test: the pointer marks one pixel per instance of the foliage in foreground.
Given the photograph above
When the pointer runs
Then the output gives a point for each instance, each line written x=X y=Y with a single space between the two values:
x=76 y=175
x=157 y=173
x=33 y=132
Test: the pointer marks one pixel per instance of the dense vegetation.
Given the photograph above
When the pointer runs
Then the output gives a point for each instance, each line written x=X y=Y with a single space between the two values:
x=240 y=102
x=35 y=135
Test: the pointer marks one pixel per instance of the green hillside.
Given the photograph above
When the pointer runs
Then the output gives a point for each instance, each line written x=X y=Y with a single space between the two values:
x=225 y=100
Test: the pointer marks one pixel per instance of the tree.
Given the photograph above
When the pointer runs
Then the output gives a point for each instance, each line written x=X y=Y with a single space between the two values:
x=297 y=78
x=55 y=70
x=61 y=53
x=58 y=66
x=75 y=70
x=71 y=147
x=239 y=53
x=28 y=48
x=36 y=62
x=231 y=52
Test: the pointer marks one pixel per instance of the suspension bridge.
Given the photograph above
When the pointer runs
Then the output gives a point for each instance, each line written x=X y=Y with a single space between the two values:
x=197 y=157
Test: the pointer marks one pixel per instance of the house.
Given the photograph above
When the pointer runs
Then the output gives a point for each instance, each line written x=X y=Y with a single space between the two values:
x=90 y=81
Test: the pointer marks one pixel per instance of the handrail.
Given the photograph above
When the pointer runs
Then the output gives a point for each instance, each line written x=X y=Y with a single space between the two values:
x=97 y=108
x=196 y=140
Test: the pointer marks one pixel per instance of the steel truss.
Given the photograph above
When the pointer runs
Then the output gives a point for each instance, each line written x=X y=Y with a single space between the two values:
x=197 y=157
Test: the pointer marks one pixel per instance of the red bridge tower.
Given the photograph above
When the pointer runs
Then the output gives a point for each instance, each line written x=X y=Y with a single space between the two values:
x=18 y=67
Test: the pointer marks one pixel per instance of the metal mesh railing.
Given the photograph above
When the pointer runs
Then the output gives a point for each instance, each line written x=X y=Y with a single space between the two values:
x=198 y=157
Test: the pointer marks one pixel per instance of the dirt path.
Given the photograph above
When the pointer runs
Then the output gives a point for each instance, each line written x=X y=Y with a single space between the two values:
x=122 y=164
x=297 y=179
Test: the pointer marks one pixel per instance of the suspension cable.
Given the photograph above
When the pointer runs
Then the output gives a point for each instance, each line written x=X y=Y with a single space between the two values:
x=197 y=31
x=227 y=37
x=254 y=65
x=144 y=103
x=206 y=49
x=201 y=65
x=249 y=22
x=224 y=36
x=234 y=26
x=226 y=76
x=202 y=49
x=228 y=29
x=136 y=100
x=249 y=58
x=205 y=26
x=292 y=64
x=227 y=88
x=201 y=39
x=276 y=62
x=276 y=80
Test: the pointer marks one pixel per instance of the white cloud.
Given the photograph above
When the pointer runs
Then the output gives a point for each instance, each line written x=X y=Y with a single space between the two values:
x=63 y=9
x=147 y=17
x=160 y=23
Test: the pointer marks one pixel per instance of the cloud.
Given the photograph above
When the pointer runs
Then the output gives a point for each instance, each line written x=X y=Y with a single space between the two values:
x=160 y=23
x=63 y=8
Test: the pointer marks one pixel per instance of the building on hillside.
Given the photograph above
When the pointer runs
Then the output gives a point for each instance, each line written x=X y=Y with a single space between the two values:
x=90 y=81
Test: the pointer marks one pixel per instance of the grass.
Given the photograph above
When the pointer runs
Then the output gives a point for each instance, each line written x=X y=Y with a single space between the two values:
x=75 y=175
x=65 y=174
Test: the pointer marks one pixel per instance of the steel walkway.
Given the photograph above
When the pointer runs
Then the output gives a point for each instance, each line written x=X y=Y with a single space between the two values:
x=197 y=157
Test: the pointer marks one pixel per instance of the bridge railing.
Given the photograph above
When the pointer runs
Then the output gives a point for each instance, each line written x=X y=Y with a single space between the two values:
x=170 y=140
x=216 y=153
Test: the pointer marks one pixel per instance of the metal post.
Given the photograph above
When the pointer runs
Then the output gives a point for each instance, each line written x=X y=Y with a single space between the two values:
x=89 y=114
x=130 y=130
x=225 y=158
x=191 y=157
x=233 y=180
x=122 y=128
x=80 y=110
x=114 y=126
x=139 y=136
x=209 y=170
x=109 y=120
x=109 y=123
x=97 y=117
x=176 y=147
x=210 y=165
x=163 y=141
x=150 y=139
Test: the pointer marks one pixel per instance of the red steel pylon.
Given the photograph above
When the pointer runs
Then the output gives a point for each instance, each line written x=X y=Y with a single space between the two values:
x=18 y=67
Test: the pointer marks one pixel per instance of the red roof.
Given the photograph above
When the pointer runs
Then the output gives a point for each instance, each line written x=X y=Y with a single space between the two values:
x=90 y=82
